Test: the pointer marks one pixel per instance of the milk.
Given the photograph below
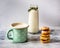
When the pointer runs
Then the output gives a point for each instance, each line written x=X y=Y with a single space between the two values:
x=33 y=21
x=19 y=25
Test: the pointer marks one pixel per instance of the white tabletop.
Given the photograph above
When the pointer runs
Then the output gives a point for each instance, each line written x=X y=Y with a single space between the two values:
x=33 y=42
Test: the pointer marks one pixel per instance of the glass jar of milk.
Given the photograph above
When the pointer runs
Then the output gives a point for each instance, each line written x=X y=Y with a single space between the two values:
x=33 y=19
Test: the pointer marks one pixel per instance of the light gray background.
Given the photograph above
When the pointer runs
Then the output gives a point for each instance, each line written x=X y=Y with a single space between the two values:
x=17 y=11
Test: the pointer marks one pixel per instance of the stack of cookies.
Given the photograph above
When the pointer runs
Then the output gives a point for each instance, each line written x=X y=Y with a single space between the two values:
x=45 y=35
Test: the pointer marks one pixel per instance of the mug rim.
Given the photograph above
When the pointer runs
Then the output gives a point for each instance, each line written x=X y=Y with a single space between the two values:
x=18 y=23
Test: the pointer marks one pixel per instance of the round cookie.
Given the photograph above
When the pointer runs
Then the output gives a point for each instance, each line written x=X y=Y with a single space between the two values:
x=45 y=41
x=45 y=32
x=45 y=36
x=44 y=28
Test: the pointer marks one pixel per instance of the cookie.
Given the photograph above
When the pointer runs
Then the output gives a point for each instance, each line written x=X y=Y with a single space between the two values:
x=44 y=28
x=44 y=36
x=45 y=32
x=45 y=41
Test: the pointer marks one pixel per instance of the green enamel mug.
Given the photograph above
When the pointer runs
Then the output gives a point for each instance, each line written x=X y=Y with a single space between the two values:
x=19 y=32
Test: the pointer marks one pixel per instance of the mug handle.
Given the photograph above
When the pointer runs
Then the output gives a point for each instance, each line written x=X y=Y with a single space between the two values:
x=8 y=36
